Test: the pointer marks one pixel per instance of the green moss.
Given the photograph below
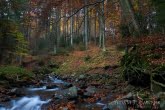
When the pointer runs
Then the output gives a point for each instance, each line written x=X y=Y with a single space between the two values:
x=14 y=72
x=134 y=69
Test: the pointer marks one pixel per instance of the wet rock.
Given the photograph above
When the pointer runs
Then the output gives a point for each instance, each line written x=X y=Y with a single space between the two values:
x=17 y=92
x=106 y=109
x=12 y=92
x=73 y=75
x=67 y=85
x=162 y=105
x=95 y=84
x=82 y=76
x=87 y=94
x=129 y=96
x=91 y=89
x=116 y=105
x=65 y=108
x=110 y=87
x=58 y=96
x=51 y=86
x=4 y=98
x=69 y=93
x=128 y=88
x=161 y=97
x=81 y=92
x=82 y=85
x=72 y=91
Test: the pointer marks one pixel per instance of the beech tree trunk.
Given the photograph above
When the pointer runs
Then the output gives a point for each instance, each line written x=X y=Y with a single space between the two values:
x=86 y=25
x=128 y=10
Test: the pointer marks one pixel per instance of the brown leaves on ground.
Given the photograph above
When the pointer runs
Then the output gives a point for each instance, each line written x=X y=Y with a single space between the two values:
x=92 y=59
x=61 y=106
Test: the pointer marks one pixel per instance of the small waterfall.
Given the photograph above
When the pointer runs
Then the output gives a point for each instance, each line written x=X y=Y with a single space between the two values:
x=32 y=99
x=2 y=108
x=26 y=103
x=101 y=104
x=55 y=80
x=37 y=89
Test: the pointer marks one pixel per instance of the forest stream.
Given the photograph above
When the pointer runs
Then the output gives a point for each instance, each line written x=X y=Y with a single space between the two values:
x=34 y=97
x=51 y=89
x=71 y=93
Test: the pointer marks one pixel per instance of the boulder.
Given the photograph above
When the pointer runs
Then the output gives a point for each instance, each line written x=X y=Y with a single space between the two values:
x=116 y=105
x=129 y=96
x=72 y=92
x=69 y=93
x=65 y=108
x=67 y=85
x=162 y=105
x=82 y=76
x=16 y=91
x=5 y=99
x=91 y=89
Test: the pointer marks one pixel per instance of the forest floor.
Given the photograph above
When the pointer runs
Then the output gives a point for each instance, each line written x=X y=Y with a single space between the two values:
x=96 y=73
x=93 y=68
x=98 y=69
x=93 y=60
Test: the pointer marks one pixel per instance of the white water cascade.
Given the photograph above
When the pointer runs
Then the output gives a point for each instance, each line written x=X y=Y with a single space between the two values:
x=26 y=103
x=32 y=100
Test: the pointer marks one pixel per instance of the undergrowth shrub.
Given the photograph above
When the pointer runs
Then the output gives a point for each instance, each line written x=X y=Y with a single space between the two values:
x=134 y=69
x=14 y=73
x=158 y=75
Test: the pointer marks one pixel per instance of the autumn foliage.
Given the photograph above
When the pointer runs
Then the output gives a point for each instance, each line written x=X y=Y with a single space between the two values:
x=150 y=46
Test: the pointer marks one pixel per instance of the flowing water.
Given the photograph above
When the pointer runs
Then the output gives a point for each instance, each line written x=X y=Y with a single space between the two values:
x=38 y=97
x=35 y=97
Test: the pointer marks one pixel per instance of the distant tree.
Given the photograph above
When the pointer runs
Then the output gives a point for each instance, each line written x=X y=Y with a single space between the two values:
x=129 y=14
x=159 y=6
x=102 y=26
x=12 y=41
x=86 y=36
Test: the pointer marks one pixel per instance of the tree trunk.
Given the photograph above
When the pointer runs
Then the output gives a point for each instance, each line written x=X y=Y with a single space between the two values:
x=77 y=24
x=102 y=27
x=102 y=22
x=86 y=25
x=71 y=30
x=128 y=9
x=58 y=12
x=95 y=27
x=100 y=33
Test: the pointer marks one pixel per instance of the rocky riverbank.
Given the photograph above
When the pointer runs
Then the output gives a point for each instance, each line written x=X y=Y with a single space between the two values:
x=97 y=89
x=103 y=91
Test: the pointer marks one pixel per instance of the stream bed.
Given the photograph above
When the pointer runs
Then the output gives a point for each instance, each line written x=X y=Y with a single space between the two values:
x=72 y=93
x=51 y=91
x=33 y=97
